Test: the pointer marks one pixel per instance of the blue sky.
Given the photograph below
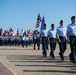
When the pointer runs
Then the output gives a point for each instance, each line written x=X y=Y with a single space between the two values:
x=23 y=13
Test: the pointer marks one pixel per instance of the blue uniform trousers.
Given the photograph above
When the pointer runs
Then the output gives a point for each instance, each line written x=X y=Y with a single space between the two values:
x=1 y=41
x=73 y=47
x=44 y=44
x=62 y=46
x=38 y=43
x=52 y=46
x=34 y=42
x=22 y=43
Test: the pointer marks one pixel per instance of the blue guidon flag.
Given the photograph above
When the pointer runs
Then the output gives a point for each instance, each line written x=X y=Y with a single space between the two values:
x=42 y=24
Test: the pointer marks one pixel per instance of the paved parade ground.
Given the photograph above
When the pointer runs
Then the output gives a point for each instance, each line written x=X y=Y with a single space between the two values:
x=15 y=60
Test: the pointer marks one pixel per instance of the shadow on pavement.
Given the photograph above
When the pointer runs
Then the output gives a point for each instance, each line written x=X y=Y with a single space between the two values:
x=60 y=71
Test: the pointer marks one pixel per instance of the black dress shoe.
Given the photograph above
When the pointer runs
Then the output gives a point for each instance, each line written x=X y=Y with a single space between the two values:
x=53 y=57
x=50 y=54
x=34 y=49
x=38 y=48
x=45 y=55
x=59 y=53
x=62 y=59
x=47 y=48
x=71 y=59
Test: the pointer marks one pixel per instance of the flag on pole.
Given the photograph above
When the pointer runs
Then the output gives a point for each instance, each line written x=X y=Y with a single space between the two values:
x=39 y=19
x=42 y=24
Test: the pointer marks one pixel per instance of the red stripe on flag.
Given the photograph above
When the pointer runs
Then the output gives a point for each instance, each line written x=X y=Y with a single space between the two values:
x=38 y=22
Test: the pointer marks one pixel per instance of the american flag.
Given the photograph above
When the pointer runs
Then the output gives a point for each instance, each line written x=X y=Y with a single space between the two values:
x=39 y=19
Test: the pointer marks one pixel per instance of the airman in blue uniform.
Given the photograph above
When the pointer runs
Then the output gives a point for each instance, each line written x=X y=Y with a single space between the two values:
x=44 y=34
x=71 y=31
x=52 y=38
x=62 y=38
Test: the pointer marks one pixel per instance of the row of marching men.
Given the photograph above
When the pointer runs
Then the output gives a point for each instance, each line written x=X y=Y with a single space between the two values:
x=62 y=35
x=9 y=37
x=15 y=41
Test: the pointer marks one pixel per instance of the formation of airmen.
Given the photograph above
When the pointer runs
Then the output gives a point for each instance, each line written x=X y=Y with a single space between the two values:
x=61 y=35
x=10 y=37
